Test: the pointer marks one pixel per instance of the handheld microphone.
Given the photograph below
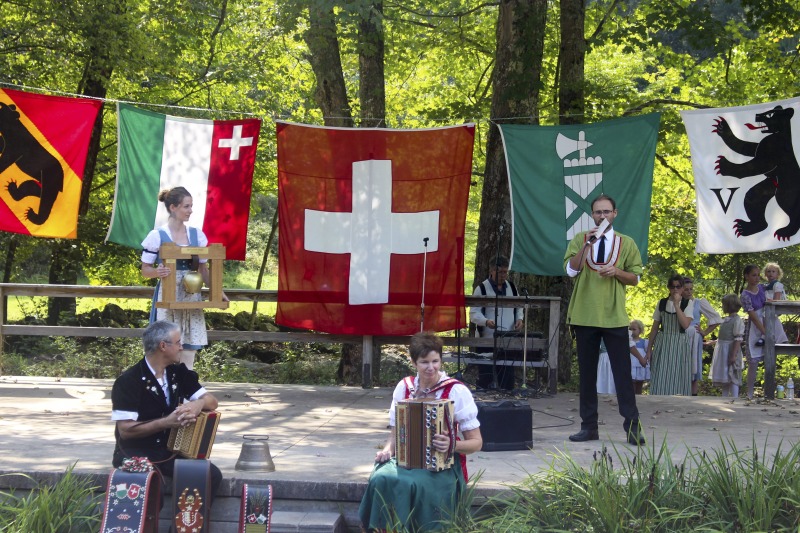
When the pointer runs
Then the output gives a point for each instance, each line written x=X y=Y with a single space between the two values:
x=601 y=229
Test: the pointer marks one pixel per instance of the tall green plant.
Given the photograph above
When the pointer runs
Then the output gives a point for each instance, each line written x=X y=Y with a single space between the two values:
x=70 y=505
x=728 y=489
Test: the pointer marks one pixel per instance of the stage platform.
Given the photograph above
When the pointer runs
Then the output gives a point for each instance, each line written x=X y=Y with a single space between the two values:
x=323 y=439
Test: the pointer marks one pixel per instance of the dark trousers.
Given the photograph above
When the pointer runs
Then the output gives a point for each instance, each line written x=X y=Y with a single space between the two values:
x=616 y=340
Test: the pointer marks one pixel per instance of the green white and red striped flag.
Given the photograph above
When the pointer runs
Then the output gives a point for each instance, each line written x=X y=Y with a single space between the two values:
x=212 y=159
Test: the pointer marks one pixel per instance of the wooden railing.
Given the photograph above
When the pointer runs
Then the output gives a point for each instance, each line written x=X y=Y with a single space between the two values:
x=771 y=350
x=547 y=345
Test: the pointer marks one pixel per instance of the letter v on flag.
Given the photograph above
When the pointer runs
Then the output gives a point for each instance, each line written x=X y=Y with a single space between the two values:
x=367 y=215
x=212 y=159
x=45 y=140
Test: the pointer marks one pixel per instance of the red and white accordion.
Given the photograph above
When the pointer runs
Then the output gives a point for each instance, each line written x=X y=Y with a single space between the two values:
x=417 y=421
x=195 y=440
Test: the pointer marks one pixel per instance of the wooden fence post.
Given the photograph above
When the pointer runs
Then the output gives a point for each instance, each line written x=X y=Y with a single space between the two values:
x=769 y=350
x=366 y=358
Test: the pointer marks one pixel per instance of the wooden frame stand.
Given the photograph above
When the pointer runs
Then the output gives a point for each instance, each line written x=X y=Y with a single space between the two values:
x=214 y=253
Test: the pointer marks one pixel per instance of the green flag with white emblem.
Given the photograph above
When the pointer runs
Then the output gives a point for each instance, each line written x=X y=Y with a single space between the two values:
x=555 y=172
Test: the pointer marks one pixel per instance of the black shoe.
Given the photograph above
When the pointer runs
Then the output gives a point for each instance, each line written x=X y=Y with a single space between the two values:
x=635 y=436
x=585 y=435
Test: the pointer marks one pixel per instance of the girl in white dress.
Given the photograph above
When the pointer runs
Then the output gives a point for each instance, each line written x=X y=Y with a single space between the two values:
x=726 y=366
x=640 y=365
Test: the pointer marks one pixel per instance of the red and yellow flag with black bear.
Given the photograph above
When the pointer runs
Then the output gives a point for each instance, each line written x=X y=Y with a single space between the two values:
x=43 y=146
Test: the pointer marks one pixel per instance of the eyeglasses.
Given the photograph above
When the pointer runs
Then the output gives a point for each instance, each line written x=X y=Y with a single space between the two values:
x=604 y=212
x=676 y=286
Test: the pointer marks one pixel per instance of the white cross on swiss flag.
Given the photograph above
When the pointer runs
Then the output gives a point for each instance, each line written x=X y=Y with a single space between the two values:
x=361 y=212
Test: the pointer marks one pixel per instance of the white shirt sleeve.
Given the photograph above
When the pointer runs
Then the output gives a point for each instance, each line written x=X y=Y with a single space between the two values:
x=201 y=391
x=475 y=314
x=398 y=395
x=124 y=415
x=709 y=312
x=150 y=247
x=465 y=410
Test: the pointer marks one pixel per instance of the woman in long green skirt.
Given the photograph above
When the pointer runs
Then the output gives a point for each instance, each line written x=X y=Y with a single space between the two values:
x=418 y=500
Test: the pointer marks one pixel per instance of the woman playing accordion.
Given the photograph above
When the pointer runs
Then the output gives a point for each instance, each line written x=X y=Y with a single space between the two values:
x=419 y=499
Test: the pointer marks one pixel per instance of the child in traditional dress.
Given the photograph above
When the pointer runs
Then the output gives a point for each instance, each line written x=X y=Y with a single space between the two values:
x=774 y=291
x=726 y=366
x=754 y=296
x=640 y=366
x=773 y=287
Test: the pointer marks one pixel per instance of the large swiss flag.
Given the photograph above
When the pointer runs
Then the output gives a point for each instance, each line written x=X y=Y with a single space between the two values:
x=367 y=218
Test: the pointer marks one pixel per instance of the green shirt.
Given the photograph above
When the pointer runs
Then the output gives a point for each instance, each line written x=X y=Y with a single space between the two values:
x=598 y=301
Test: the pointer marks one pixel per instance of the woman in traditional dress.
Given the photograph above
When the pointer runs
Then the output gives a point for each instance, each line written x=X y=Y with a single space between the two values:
x=178 y=203
x=669 y=348
x=418 y=499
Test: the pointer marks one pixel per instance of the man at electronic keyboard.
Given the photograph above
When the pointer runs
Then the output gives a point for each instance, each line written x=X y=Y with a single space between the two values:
x=155 y=395
x=490 y=321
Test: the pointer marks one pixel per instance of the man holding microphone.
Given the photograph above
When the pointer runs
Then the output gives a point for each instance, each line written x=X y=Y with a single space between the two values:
x=603 y=263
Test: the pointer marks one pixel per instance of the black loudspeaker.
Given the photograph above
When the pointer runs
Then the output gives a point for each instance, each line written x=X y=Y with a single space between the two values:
x=505 y=425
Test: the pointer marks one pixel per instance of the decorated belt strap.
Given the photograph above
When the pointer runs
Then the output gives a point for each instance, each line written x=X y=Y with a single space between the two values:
x=191 y=491
x=256 y=510
x=132 y=499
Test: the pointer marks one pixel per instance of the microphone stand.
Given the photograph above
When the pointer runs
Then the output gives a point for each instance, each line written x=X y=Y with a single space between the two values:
x=424 y=270
x=458 y=375
x=525 y=342
x=494 y=384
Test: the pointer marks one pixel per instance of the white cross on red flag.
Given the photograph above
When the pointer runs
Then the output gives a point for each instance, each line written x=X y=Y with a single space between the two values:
x=365 y=216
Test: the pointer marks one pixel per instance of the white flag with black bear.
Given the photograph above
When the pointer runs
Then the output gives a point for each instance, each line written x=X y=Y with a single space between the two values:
x=746 y=174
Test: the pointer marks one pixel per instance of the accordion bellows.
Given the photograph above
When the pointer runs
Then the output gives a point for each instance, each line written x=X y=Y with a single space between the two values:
x=416 y=422
x=195 y=440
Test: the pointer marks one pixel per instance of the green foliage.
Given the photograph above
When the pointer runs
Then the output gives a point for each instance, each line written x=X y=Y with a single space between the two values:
x=69 y=506
x=304 y=364
x=213 y=364
x=729 y=489
x=102 y=358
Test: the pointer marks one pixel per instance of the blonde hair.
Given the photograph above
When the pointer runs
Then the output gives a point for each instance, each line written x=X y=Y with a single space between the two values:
x=776 y=267
x=639 y=324
x=731 y=304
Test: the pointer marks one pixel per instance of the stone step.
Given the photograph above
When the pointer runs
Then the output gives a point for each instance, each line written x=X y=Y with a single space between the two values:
x=288 y=516
x=282 y=522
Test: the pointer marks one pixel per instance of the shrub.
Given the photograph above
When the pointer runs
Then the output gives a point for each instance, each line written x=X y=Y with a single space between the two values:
x=71 y=505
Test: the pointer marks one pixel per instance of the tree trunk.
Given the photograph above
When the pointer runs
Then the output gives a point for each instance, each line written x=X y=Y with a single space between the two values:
x=326 y=62
x=331 y=96
x=66 y=256
x=516 y=84
x=515 y=99
x=11 y=252
x=372 y=88
x=571 y=111
x=272 y=231
x=571 y=62
x=349 y=371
